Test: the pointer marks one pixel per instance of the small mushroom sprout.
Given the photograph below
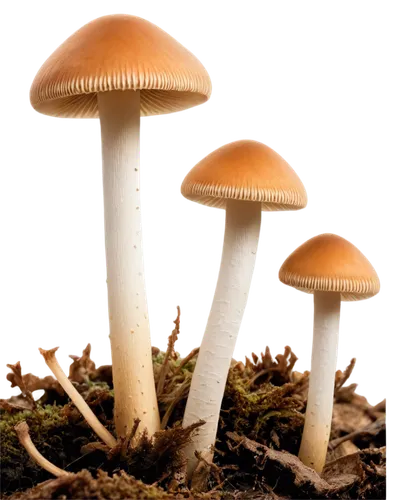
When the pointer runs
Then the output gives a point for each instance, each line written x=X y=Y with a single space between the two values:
x=52 y=362
x=22 y=430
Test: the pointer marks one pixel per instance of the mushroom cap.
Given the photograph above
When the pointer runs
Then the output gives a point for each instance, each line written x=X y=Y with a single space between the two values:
x=119 y=52
x=48 y=351
x=329 y=263
x=248 y=171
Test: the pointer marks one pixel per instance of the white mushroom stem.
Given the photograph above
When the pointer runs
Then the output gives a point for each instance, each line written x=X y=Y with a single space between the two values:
x=22 y=430
x=77 y=399
x=134 y=387
x=242 y=228
x=317 y=425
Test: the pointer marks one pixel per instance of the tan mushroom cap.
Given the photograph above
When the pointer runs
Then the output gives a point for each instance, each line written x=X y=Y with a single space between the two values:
x=248 y=171
x=119 y=52
x=330 y=263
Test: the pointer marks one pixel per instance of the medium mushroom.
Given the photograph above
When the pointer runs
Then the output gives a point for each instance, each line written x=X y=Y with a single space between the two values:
x=244 y=178
x=118 y=68
x=333 y=270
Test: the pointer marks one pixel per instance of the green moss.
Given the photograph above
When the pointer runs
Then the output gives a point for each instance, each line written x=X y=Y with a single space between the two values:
x=268 y=413
x=42 y=418
x=42 y=422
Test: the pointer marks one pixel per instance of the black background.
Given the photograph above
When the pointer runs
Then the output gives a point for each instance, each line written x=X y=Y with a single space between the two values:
x=313 y=91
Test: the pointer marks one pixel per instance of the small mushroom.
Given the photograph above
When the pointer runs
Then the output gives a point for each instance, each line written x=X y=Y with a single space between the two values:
x=244 y=178
x=22 y=430
x=333 y=270
x=52 y=362
x=118 y=68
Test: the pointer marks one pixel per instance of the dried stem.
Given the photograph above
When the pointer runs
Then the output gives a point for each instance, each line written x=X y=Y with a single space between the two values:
x=80 y=403
x=186 y=360
x=169 y=354
x=22 y=430
x=184 y=388
x=369 y=430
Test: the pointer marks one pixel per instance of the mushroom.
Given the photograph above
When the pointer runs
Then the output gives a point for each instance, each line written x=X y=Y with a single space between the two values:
x=52 y=362
x=244 y=178
x=22 y=431
x=333 y=270
x=118 y=68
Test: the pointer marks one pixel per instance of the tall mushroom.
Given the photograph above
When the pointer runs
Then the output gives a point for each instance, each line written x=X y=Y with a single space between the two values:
x=119 y=68
x=244 y=178
x=333 y=270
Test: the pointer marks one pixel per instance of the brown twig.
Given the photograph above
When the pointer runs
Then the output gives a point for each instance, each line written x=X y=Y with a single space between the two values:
x=341 y=378
x=82 y=366
x=170 y=353
x=202 y=471
x=370 y=430
x=132 y=434
x=178 y=397
x=186 y=360
x=16 y=378
x=376 y=411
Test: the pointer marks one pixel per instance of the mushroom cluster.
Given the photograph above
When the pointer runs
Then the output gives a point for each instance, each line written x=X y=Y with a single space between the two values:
x=245 y=178
x=119 y=68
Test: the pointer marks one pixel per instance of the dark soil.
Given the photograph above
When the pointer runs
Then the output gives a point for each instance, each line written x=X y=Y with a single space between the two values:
x=259 y=436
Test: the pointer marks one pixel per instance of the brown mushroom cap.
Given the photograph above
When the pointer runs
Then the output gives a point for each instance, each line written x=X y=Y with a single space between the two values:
x=330 y=263
x=247 y=171
x=119 y=52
